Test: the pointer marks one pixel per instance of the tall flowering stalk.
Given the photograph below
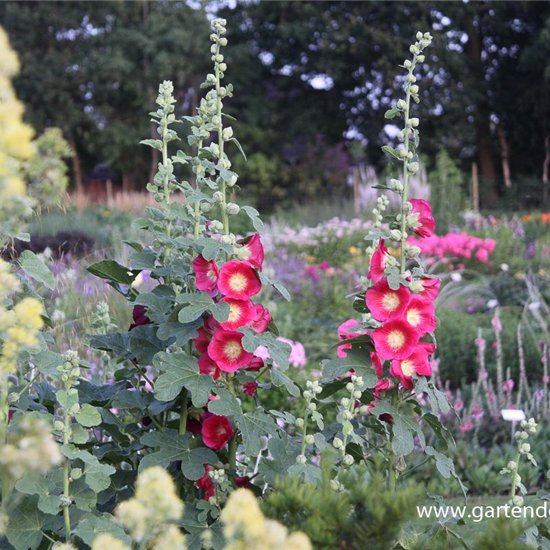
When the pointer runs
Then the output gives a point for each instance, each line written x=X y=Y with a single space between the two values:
x=389 y=350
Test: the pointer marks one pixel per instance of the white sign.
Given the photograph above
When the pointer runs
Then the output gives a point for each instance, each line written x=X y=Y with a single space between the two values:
x=512 y=415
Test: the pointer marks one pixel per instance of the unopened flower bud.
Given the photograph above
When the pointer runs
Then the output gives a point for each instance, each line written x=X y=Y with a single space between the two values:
x=344 y=401
x=401 y=104
x=206 y=207
x=412 y=252
x=300 y=422
x=301 y=459
x=415 y=122
x=13 y=398
x=348 y=460
x=416 y=286
x=312 y=407
x=233 y=209
x=395 y=235
x=310 y=439
x=517 y=500
x=76 y=473
x=337 y=443
x=218 y=196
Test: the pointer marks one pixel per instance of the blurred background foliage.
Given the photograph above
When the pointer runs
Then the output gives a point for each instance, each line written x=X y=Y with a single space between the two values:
x=313 y=81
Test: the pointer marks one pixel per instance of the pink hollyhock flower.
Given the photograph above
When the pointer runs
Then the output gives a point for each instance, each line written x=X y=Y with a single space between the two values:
x=242 y=482
x=395 y=340
x=377 y=364
x=207 y=366
x=420 y=314
x=216 y=432
x=241 y=314
x=545 y=379
x=344 y=334
x=378 y=263
x=297 y=357
x=508 y=385
x=202 y=340
x=385 y=303
x=206 y=484
x=262 y=318
x=206 y=274
x=227 y=351
x=382 y=385
x=495 y=321
x=459 y=405
x=139 y=315
x=238 y=280
x=416 y=363
x=324 y=266
x=255 y=365
x=253 y=251
x=193 y=426
x=250 y=388
x=431 y=288
x=423 y=211
x=482 y=255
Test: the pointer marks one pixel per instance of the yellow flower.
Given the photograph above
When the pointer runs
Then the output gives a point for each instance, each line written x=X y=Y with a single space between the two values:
x=310 y=259
x=353 y=250
x=171 y=539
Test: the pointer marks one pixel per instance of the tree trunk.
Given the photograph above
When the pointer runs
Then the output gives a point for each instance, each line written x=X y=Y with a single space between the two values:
x=77 y=169
x=487 y=168
x=505 y=155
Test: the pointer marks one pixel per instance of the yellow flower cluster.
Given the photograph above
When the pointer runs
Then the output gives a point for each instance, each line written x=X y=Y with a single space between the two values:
x=31 y=448
x=19 y=328
x=246 y=528
x=15 y=142
x=108 y=542
x=154 y=505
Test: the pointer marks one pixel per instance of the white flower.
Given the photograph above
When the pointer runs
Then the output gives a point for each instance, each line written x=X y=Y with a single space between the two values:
x=456 y=277
x=504 y=267
x=491 y=304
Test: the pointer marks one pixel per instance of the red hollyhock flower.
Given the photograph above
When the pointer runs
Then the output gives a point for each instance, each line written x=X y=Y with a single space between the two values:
x=227 y=351
x=385 y=303
x=254 y=251
x=431 y=288
x=377 y=364
x=423 y=211
x=255 y=365
x=262 y=319
x=216 y=432
x=395 y=340
x=206 y=274
x=241 y=314
x=242 y=481
x=250 y=388
x=378 y=263
x=206 y=484
x=205 y=334
x=238 y=280
x=344 y=334
x=194 y=426
x=139 y=315
x=418 y=362
x=207 y=366
x=420 y=314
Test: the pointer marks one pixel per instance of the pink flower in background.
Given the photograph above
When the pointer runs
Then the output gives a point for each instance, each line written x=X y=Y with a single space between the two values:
x=459 y=405
x=508 y=385
x=297 y=355
x=378 y=263
x=466 y=426
x=455 y=245
x=344 y=333
x=206 y=274
x=477 y=413
x=495 y=321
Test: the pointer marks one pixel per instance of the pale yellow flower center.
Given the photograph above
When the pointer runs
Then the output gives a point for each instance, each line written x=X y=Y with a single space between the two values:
x=232 y=350
x=234 y=312
x=407 y=367
x=237 y=282
x=390 y=301
x=413 y=317
x=396 y=339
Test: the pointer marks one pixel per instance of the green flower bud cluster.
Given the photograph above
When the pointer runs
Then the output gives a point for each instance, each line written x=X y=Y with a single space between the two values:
x=382 y=203
x=310 y=394
x=101 y=319
x=70 y=369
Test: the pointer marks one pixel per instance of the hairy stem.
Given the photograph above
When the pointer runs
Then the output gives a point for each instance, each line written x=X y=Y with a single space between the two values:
x=184 y=412
x=223 y=204
x=66 y=480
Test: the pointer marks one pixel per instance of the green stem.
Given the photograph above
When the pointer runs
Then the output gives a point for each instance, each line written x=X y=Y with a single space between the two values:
x=166 y=187
x=233 y=441
x=405 y=170
x=304 y=429
x=66 y=480
x=515 y=478
x=198 y=204
x=223 y=204
x=184 y=412
x=28 y=385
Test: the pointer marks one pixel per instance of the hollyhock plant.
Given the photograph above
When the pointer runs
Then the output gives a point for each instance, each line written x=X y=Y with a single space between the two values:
x=238 y=280
x=386 y=303
x=208 y=366
x=139 y=316
x=217 y=431
x=227 y=351
x=344 y=332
